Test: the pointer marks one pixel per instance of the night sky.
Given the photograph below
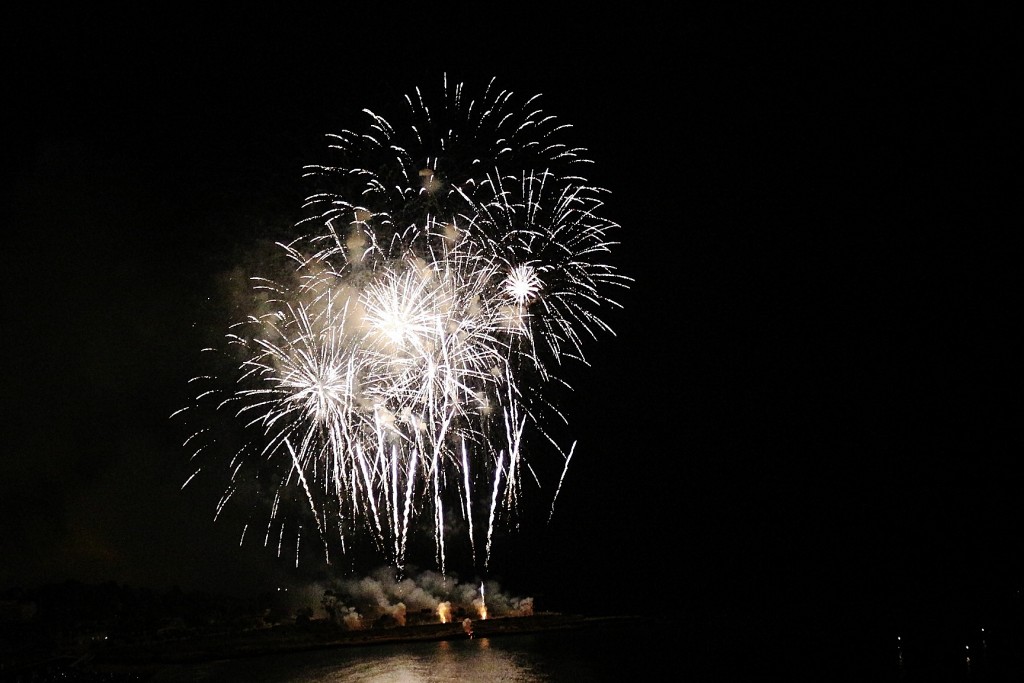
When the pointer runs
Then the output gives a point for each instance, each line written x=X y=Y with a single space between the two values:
x=812 y=398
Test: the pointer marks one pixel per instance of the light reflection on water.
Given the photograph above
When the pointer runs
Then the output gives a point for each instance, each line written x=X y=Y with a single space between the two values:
x=443 y=661
x=521 y=659
x=638 y=651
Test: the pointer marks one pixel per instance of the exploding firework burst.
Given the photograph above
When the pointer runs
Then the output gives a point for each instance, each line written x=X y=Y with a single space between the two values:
x=392 y=379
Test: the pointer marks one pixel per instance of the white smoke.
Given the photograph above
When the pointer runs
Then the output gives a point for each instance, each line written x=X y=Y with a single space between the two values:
x=384 y=599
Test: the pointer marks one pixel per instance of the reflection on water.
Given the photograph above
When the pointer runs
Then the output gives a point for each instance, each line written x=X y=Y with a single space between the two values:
x=443 y=661
x=514 y=658
x=604 y=652
x=643 y=650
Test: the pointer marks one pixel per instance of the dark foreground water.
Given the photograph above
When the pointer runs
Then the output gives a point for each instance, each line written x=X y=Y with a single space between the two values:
x=729 y=647
x=592 y=653
x=647 y=650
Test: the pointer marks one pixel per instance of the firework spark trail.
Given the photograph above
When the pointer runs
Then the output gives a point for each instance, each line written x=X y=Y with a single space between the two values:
x=447 y=269
x=498 y=471
x=558 y=489
x=467 y=511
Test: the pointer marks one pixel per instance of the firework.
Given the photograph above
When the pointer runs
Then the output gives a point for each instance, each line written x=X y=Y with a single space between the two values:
x=448 y=268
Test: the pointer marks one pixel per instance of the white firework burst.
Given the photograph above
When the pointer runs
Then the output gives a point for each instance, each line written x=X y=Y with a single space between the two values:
x=448 y=268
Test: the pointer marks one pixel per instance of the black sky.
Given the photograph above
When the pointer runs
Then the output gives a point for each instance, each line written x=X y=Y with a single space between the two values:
x=814 y=388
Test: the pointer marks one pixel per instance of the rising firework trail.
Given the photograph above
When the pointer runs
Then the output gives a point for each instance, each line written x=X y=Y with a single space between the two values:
x=451 y=263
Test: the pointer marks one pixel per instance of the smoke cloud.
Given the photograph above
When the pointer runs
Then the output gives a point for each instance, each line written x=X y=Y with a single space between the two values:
x=385 y=599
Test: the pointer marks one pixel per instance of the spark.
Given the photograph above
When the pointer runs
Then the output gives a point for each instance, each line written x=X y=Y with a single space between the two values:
x=395 y=373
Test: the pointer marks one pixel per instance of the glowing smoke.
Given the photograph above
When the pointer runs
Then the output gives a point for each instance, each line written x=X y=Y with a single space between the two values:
x=382 y=600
